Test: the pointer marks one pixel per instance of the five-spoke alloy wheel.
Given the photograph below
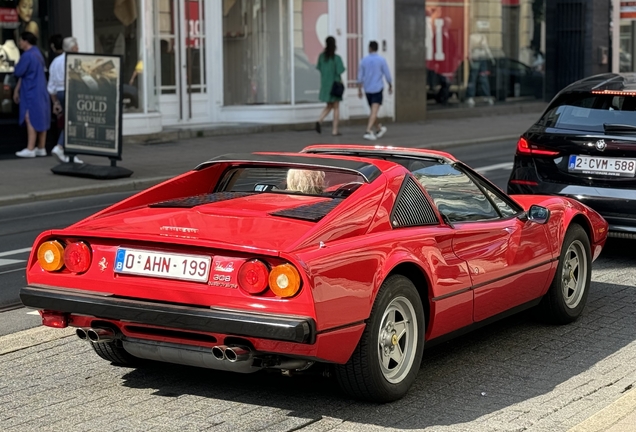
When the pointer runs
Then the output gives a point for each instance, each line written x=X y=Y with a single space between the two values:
x=566 y=298
x=388 y=356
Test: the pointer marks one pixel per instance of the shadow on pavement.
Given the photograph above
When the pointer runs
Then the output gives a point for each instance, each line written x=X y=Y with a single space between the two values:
x=510 y=362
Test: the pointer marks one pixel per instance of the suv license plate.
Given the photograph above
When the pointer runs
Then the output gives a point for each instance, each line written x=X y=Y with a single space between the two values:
x=195 y=268
x=615 y=167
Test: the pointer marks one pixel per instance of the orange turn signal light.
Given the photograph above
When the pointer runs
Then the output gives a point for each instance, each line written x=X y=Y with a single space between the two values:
x=284 y=280
x=51 y=255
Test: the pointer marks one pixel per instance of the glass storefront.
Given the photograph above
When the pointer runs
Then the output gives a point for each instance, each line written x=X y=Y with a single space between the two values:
x=256 y=52
x=119 y=30
x=17 y=16
x=479 y=52
x=627 y=45
x=311 y=28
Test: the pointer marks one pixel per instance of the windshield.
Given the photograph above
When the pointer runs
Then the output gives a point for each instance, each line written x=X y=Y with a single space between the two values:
x=592 y=112
x=301 y=181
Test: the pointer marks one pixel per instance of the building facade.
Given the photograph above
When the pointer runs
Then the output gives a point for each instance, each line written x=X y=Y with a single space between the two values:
x=189 y=63
x=196 y=62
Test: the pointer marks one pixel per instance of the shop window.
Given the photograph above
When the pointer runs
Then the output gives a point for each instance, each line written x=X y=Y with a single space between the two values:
x=311 y=28
x=17 y=17
x=355 y=51
x=479 y=52
x=256 y=52
x=118 y=31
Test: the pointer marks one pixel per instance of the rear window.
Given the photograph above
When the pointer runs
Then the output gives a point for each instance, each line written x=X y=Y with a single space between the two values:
x=590 y=112
x=302 y=181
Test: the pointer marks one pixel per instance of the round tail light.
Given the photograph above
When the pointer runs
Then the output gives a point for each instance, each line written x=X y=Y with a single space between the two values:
x=253 y=276
x=284 y=280
x=77 y=257
x=51 y=255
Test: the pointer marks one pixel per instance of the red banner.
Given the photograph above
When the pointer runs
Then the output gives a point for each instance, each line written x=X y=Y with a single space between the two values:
x=9 y=18
x=628 y=9
x=444 y=37
x=193 y=24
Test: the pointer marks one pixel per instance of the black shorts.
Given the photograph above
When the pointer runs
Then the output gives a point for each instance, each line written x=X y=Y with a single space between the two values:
x=374 y=98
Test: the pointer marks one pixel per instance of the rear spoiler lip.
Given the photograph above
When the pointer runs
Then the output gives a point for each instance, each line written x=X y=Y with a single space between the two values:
x=366 y=170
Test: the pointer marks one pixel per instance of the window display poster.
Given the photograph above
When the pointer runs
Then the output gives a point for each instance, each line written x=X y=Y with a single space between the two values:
x=444 y=37
x=93 y=111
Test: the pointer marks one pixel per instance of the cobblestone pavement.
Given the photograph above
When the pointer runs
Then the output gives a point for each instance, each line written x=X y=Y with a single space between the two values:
x=515 y=375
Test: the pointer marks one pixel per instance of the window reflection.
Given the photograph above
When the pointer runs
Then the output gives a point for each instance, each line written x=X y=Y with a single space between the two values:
x=256 y=52
x=455 y=194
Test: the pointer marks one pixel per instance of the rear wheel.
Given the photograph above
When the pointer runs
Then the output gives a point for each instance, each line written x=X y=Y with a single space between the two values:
x=386 y=361
x=115 y=353
x=566 y=298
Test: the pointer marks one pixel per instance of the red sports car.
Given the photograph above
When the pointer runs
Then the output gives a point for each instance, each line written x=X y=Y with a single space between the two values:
x=350 y=255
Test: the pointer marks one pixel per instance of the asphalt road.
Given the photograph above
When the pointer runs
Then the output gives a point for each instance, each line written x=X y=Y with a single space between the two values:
x=514 y=375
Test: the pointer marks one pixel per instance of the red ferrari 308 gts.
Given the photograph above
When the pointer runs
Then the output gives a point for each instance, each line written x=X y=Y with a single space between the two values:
x=350 y=255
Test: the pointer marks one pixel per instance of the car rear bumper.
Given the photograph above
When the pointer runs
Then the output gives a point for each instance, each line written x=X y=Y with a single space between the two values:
x=617 y=206
x=257 y=325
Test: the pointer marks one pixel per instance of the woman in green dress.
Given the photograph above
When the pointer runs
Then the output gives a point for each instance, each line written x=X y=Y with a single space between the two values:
x=331 y=67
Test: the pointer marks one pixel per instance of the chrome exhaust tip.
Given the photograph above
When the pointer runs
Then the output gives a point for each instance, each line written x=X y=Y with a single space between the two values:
x=237 y=353
x=81 y=333
x=100 y=335
x=219 y=352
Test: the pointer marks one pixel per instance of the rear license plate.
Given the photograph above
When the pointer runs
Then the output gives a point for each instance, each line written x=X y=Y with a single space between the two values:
x=615 y=167
x=194 y=268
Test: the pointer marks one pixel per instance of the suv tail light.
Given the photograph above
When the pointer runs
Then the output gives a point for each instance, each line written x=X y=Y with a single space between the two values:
x=525 y=148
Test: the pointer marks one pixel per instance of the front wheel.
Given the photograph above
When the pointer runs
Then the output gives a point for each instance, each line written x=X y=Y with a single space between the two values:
x=386 y=361
x=566 y=298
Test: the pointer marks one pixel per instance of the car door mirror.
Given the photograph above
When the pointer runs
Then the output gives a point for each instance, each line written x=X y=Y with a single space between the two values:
x=538 y=214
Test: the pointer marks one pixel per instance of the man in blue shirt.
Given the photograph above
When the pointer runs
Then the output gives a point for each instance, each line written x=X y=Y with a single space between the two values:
x=372 y=72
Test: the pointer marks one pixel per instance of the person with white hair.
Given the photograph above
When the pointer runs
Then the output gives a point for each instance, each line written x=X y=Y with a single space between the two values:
x=57 y=90
x=306 y=181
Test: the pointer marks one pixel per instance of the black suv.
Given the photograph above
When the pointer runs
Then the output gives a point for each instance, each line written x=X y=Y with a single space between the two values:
x=584 y=147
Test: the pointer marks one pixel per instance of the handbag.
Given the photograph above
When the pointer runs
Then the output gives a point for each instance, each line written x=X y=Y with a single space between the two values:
x=337 y=88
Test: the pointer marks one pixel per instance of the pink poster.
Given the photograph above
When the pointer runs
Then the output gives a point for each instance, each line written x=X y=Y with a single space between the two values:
x=315 y=26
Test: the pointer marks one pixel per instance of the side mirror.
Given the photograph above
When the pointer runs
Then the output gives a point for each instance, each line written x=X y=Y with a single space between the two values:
x=538 y=214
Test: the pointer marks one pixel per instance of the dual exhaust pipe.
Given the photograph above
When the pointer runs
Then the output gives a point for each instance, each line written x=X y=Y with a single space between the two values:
x=232 y=354
x=96 y=335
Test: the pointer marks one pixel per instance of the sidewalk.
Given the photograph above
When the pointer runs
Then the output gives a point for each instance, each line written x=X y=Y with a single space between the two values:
x=26 y=180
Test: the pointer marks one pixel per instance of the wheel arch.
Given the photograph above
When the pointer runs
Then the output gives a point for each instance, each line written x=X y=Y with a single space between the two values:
x=581 y=220
x=420 y=279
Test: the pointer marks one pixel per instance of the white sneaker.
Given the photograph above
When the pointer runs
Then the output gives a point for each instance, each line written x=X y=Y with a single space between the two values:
x=381 y=132
x=490 y=100
x=470 y=102
x=26 y=153
x=59 y=152
x=40 y=152
x=76 y=160
x=369 y=136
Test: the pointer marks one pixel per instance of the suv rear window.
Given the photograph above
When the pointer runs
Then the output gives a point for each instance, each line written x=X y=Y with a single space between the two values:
x=586 y=111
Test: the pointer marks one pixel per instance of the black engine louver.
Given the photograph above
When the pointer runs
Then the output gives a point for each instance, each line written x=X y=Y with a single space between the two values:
x=411 y=207
x=197 y=200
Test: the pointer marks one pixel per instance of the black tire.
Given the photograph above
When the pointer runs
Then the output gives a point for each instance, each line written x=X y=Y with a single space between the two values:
x=115 y=353
x=559 y=306
x=364 y=376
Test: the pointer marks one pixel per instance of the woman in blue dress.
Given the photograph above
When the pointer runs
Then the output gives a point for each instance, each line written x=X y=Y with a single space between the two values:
x=331 y=67
x=31 y=94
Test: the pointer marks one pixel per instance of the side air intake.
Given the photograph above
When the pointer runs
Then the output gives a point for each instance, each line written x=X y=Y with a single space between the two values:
x=411 y=207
